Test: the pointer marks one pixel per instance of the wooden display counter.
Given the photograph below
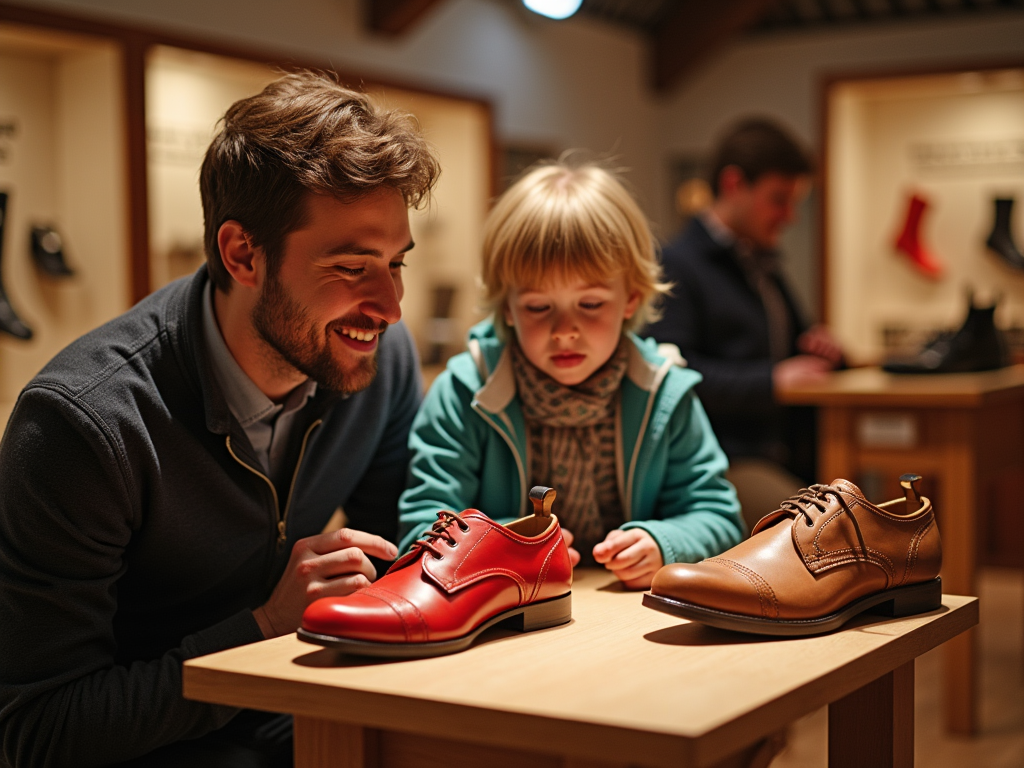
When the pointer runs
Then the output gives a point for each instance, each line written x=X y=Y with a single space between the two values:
x=621 y=684
x=963 y=432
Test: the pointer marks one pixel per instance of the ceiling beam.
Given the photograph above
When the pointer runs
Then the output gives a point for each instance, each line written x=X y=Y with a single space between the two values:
x=395 y=17
x=695 y=31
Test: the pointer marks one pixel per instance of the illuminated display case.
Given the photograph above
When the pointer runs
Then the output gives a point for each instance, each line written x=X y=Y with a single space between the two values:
x=956 y=142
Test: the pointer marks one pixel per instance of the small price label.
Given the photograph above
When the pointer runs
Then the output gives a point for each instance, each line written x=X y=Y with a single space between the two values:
x=887 y=430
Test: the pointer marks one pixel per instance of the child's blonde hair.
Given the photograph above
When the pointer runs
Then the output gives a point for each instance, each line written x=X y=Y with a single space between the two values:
x=569 y=220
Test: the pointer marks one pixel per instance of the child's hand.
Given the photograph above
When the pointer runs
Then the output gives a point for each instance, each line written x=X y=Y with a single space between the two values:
x=633 y=556
x=574 y=556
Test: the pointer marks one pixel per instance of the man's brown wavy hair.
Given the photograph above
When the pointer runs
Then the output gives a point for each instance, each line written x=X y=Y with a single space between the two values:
x=304 y=133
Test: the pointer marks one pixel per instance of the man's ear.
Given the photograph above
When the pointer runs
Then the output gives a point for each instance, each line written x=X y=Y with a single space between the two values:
x=730 y=180
x=242 y=260
x=632 y=303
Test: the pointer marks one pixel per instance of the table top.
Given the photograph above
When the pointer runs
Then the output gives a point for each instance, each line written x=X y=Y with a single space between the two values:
x=875 y=387
x=618 y=681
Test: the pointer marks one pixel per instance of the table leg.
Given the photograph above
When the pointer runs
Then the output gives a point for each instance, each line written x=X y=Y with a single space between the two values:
x=320 y=743
x=835 y=452
x=873 y=727
x=958 y=524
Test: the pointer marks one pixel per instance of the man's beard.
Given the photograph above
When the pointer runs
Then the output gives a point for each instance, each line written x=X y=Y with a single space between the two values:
x=299 y=343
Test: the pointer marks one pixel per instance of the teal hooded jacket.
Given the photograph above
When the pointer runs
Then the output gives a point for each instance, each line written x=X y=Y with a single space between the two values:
x=470 y=450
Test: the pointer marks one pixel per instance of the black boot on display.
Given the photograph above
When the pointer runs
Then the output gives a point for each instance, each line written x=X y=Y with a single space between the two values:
x=9 y=320
x=977 y=346
x=1001 y=239
x=48 y=252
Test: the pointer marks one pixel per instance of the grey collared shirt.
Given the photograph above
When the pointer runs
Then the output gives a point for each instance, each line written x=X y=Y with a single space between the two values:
x=267 y=424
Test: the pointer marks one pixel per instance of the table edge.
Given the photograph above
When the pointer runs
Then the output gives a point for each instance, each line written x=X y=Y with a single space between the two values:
x=587 y=739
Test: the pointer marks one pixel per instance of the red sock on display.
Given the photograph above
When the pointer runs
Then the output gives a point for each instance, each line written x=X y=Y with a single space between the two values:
x=909 y=242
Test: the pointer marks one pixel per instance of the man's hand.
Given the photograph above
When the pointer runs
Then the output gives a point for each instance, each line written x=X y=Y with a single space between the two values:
x=800 y=369
x=574 y=556
x=820 y=342
x=633 y=556
x=327 y=565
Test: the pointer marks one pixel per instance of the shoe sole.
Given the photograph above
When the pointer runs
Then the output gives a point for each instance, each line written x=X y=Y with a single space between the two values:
x=897 y=602
x=525 y=618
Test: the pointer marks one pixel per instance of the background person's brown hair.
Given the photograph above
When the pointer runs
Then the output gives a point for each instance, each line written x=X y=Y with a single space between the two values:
x=304 y=133
x=758 y=146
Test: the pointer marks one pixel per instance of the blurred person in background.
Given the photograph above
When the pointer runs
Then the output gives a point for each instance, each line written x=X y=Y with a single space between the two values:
x=735 y=319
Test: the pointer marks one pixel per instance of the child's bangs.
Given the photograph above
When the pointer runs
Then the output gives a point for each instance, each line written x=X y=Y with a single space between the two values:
x=562 y=239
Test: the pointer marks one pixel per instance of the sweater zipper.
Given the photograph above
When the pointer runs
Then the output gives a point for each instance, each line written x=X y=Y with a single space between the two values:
x=282 y=525
x=282 y=520
x=627 y=502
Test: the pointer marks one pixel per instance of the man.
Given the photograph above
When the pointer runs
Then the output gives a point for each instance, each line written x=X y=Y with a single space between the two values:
x=165 y=480
x=735 y=320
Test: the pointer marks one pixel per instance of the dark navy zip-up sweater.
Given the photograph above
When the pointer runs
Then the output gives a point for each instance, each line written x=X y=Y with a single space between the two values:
x=132 y=539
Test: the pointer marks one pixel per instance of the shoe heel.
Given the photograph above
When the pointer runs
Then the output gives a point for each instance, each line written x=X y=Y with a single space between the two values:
x=549 y=613
x=919 y=598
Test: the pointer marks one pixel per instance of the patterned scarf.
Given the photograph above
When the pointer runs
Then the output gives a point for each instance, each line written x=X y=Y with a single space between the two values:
x=572 y=443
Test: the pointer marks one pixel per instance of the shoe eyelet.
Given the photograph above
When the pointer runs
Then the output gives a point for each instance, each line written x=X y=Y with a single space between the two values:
x=453 y=544
x=464 y=530
x=439 y=557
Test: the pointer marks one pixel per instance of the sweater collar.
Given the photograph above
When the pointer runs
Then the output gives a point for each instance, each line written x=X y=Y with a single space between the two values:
x=184 y=321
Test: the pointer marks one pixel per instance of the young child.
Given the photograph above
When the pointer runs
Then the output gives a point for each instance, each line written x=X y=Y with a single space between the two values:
x=555 y=390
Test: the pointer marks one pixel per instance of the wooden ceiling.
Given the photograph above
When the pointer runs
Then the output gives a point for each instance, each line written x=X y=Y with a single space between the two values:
x=685 y=33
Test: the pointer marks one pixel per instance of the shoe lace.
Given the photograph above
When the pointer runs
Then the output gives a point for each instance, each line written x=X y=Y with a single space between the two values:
x=816 y=498
x=441 y=531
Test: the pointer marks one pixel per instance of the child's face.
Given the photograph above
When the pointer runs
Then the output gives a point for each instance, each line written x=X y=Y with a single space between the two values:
x=570 y=327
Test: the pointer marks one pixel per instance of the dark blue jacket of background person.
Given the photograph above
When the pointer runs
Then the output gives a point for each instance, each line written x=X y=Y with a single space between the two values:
x=716 y=318
x=131 y=537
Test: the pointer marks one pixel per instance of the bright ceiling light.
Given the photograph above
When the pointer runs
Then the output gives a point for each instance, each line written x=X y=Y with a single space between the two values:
x=554 y=9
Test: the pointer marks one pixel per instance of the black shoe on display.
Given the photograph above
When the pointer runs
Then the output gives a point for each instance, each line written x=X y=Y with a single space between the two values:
x=977 y=346
x=48 y=252
x=1001 y=240
x=9 y=320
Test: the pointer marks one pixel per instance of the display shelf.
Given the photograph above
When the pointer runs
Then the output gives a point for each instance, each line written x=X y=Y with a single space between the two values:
x=62 y=164
x=955 y=140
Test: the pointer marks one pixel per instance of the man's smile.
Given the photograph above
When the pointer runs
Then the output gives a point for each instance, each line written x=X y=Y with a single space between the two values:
x=360 y=335
x=360 y=339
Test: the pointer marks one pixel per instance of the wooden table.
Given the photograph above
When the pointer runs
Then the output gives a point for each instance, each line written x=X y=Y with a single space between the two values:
x=620 y=685
x=964 y=433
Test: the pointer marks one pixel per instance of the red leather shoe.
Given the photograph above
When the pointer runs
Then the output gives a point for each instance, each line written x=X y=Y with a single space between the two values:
x=464 y=575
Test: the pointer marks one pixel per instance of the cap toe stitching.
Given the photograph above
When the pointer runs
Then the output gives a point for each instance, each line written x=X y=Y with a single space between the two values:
x=762 y=588
x=389 y=599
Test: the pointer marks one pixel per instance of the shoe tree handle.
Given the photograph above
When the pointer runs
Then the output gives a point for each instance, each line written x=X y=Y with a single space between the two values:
x=913 y=496
x=542 y=498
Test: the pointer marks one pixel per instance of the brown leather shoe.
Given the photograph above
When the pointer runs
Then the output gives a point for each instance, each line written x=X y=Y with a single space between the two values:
x=826 y=555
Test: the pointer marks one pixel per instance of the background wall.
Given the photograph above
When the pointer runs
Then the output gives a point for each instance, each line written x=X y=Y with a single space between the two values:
x=582 y=83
